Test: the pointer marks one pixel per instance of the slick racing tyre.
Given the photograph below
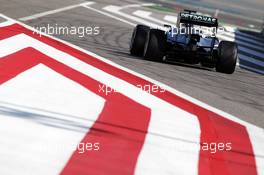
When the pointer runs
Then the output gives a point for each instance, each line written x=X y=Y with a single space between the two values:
x=138 y=40
x=227 y=57
x=155 y=45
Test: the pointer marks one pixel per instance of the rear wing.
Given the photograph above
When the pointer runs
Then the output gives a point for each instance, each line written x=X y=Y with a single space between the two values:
x=189 y=17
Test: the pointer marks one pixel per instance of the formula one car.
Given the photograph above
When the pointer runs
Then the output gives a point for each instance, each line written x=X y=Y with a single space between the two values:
x=189 y=41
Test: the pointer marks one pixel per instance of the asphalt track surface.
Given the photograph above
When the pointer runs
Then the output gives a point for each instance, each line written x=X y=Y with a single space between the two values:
x=240 y=94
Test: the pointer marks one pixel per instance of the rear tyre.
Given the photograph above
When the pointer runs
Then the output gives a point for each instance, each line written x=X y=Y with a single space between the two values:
x=227 y=57
x=138 y=40
x=155 y=45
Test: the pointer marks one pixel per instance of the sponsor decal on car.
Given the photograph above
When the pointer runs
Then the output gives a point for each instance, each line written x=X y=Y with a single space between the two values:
x=198 y=18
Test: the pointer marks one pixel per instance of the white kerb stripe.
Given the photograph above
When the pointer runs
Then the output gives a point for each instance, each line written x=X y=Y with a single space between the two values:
x=6 y=23
x=165 y=150
x=257 y=140
x=39 y=137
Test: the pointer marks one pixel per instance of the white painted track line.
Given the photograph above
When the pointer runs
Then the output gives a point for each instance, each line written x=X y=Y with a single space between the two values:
x=116 y=10
x=147 y=15
x=171 y=18
x=35 y=16
x=109 y=15
x=138 y=5
x=6 y=23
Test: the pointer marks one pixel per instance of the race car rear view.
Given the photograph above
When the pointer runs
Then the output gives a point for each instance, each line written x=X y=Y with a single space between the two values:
x=193 y=41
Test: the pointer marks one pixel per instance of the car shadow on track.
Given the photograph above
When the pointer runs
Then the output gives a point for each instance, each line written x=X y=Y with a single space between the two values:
x=181 y=64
